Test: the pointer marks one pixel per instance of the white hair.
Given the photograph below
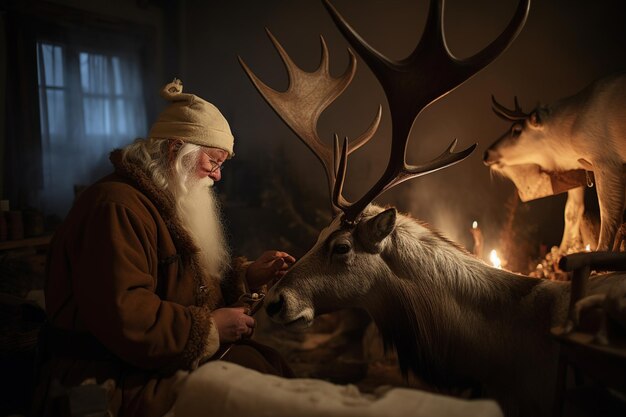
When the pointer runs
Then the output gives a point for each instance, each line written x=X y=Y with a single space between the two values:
x=196 y=203
x=152 y=156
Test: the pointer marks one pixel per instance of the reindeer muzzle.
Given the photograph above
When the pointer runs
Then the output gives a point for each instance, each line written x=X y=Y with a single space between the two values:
x=490 y=157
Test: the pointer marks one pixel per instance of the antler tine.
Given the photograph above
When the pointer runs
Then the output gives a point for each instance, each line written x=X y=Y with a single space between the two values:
x=308 y=95
x=337 y=197
x=408 y=83
x=390 y=178
x=369 y=132
x=506 y=114
x=337 y=200
x=445 y=159
x=502 y=42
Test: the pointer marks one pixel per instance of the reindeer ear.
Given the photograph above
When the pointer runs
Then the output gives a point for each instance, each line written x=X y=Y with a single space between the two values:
x=382 y=224
x=538 y=116
x=534 y=119
x=371 y=232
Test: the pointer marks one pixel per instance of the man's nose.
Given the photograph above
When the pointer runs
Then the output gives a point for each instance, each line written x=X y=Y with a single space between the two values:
x=216 y=175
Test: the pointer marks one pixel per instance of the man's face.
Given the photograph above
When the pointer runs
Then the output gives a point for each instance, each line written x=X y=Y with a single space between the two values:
x=210 y=162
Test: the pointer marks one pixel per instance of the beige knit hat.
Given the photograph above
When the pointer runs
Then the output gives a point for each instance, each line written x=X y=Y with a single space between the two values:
x=191 y=119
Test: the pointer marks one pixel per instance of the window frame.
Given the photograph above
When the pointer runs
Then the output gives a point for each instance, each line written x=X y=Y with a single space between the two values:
x=23 y=173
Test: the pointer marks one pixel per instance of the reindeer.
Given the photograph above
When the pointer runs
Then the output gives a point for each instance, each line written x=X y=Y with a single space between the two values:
x=453 y=320
x=584 y=131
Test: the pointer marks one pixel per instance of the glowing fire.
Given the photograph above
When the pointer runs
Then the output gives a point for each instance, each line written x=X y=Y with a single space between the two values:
x=495 y=260
x=475 y=224
x=588 y=248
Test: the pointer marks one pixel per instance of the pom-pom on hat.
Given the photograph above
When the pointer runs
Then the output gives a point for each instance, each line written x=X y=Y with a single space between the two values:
x=191 y=119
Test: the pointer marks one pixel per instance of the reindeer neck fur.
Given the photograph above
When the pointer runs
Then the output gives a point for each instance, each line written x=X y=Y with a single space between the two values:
x=444 y=265
x=443 y=306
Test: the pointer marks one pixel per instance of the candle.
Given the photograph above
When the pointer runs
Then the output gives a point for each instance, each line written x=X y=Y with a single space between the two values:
x=495 y=259
x=478 y=240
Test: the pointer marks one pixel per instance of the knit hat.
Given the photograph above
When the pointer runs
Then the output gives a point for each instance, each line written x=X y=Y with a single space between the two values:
x=191 y=119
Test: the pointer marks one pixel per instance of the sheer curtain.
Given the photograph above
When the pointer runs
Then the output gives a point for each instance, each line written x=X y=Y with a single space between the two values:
x=91 y=102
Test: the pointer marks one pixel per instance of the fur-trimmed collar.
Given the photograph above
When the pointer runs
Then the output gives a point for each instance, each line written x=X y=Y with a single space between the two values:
x=183 y=241
x=161 y=199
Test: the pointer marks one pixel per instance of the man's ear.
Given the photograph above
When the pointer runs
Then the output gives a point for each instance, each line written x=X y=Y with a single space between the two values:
x=374 y=230
x=173 y=146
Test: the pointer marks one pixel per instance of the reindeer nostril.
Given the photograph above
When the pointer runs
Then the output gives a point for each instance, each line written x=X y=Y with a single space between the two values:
x=275 y=306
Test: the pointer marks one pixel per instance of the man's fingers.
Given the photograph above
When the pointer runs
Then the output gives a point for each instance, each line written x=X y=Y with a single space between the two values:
x=280 y=254
x=278 y=264
x=285 y=256
x=249 y=321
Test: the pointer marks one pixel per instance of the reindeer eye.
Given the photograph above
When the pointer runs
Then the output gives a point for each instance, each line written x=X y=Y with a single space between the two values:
x=516 y=130
x=341 y=248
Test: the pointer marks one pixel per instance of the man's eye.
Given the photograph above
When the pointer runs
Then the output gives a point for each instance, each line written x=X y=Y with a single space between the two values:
x=341 y=248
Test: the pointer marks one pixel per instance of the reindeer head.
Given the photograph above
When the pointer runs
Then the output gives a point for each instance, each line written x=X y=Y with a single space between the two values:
x=522 y=143
x=339 y=252
x=345 y=263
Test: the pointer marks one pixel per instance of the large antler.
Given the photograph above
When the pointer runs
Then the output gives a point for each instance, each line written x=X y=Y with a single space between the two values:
x=308 y=95
x=427 y=74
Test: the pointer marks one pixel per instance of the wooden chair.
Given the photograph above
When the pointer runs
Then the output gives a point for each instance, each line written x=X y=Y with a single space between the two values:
x=604 y=363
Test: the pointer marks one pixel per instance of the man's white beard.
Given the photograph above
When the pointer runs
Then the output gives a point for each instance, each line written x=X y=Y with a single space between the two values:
x=199 y=213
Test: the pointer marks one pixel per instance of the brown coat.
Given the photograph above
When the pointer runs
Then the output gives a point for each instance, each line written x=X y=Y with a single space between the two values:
x=123 y=270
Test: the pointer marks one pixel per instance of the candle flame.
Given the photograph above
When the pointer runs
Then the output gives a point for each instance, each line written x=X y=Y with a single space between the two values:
x=588 y=248
x=475 y=224
x=495 y=260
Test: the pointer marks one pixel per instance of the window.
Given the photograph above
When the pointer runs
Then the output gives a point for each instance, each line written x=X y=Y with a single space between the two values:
x=91 y=102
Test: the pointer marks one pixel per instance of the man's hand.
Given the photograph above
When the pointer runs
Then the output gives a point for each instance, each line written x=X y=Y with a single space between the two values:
x=270 y=265
x=233 y=323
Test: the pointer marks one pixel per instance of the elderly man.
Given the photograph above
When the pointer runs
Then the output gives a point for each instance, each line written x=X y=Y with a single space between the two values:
x=141 y=288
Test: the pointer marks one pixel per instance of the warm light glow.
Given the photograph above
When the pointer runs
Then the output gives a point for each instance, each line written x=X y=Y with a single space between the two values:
x=475 y=224
x=495 y=260
x=588 y=248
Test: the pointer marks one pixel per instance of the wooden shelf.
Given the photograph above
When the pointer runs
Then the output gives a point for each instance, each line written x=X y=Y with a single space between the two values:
x=25 y=243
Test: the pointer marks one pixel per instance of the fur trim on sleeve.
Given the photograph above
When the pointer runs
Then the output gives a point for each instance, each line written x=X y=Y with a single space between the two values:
x=204 y=338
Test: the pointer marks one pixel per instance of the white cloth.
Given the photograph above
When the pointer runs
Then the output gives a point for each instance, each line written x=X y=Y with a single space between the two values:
x=228 y=390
